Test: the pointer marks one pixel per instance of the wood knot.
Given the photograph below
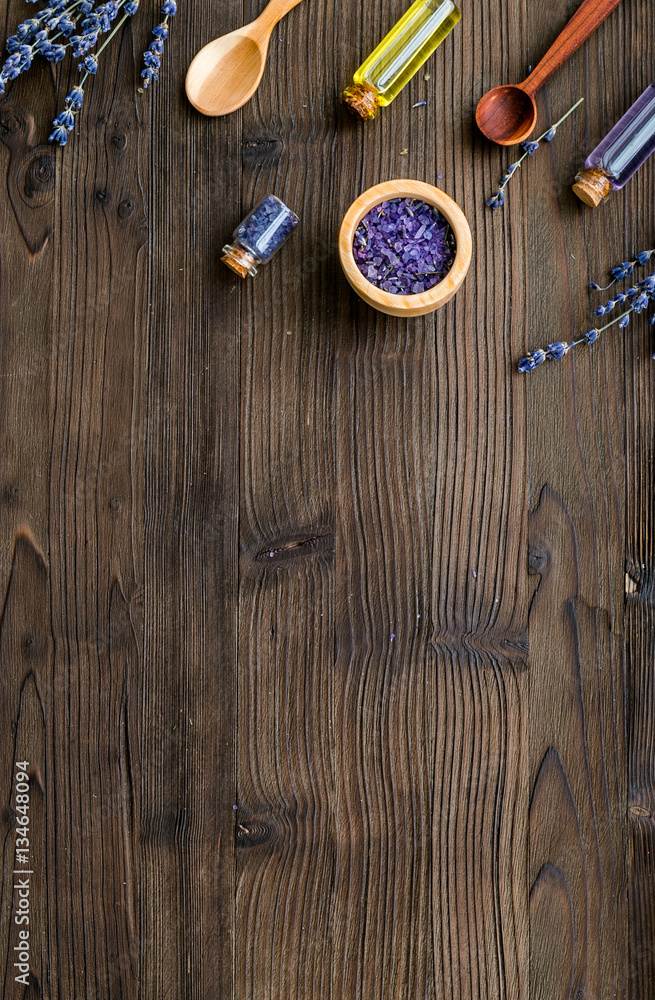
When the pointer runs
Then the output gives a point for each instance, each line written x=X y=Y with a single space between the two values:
x=119 y=141
x=252 y=832
x=115 y=504
x=639 y=812
x=261 y=149
x=10 y=123
x=125 y=209
x=297 y=545
x=536 y=561
x=102 y=196
x=39 y=178
x=12 y=493
x=31 y=646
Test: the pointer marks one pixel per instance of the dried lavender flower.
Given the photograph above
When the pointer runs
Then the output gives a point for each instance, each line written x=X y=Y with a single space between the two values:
x=637 y=298
x=528 y=148
x=152 y=55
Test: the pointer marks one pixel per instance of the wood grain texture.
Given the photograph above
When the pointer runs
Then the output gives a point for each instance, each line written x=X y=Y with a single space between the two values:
x=328 y=637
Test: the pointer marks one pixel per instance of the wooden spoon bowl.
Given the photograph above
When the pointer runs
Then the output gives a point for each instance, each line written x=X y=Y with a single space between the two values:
x=422 y=302
x=507 y=114
x=225 y=73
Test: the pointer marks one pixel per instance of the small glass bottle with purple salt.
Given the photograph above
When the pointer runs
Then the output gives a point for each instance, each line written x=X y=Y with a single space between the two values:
x=259 y=236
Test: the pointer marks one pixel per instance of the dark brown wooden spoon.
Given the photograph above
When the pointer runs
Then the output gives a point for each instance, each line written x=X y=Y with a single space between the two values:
x=508 y=115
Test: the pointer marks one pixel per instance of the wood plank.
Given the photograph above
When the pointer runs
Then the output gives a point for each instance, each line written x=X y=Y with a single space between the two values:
x=26 y=642
x=577 y=446
x=479 y=598
x=95 y=543
x=190 y=422
x=285 y=767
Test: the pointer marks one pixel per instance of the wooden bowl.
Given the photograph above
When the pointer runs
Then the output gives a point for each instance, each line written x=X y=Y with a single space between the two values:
x=422 y=302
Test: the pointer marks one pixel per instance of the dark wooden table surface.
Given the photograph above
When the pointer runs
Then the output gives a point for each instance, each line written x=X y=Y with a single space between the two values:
x=327 y=636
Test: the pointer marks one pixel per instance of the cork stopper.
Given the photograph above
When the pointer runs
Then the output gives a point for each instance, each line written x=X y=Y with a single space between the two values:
x=592 y=186
x=361 y=101
x=240 y=260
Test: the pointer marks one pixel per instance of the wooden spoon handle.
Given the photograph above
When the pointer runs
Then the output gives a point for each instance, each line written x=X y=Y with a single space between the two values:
x=274 y=12
x=584 y=22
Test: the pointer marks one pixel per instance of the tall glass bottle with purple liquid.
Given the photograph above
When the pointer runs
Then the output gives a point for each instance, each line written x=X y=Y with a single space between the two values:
x=621 y=152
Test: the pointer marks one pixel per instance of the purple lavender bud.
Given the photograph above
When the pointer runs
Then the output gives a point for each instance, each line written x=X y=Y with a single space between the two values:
x=530 y=362
x=148 y=76
x=623 y=322
x=624 y=270
x=169 y=8
x=75 y=98
x=60 y=135
x=529 y=148
x=591 y=336
x=640 y=303
x=556 y=351
x=90 y=64
x=596 y=287
x=160 y=31
x=550 y=134
x=599 y=311
x=13 y=43
x=151 y=60
x=157 y=46
x=643 y=257
x=132 y=7
x=65 y=118
x=56 y=53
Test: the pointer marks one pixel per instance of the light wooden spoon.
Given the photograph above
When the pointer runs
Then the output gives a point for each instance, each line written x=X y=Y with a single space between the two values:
x=226 y=72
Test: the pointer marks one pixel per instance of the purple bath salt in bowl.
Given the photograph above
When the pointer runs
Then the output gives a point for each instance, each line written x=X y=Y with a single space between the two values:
x=404 y=246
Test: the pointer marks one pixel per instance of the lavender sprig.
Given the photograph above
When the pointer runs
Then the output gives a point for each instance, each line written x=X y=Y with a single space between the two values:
x=529 y=148
x=637 y=298
x=624 y=270
x=152 y=55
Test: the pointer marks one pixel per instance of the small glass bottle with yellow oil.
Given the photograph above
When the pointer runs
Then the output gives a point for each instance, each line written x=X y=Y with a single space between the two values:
x=399 y=55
